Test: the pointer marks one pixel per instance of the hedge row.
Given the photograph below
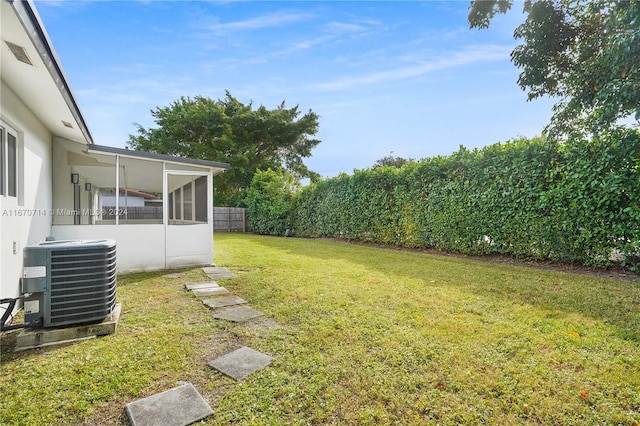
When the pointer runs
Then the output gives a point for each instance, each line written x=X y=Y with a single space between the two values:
x=575 y=202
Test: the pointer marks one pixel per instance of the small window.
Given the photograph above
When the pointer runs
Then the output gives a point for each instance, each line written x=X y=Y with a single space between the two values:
x=8 y=162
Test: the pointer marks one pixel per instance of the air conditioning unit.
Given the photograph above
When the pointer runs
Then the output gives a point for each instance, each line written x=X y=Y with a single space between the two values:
x=69 y=282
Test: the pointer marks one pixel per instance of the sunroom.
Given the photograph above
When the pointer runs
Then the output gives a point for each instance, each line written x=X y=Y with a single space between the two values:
x=158 y=208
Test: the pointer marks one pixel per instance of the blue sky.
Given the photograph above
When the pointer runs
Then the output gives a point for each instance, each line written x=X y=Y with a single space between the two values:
x=408 y=78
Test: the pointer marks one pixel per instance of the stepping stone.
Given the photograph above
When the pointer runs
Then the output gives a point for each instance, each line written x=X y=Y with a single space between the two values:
x=214 y=291
x=173 y=276
x=221 y=302
x=214 y=270
x=221 y=276
x=179 y=406
x=196 y=286
x=238 y=314
x=240 y=363
x=217 y=272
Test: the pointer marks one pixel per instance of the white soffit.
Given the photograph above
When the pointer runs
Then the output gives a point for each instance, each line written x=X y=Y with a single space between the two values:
x=34 y=84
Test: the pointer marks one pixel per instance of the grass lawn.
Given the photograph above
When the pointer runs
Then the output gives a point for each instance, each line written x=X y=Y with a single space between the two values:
x=360 y=335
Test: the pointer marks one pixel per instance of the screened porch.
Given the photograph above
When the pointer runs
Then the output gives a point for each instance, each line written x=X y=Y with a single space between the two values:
x=158 y=208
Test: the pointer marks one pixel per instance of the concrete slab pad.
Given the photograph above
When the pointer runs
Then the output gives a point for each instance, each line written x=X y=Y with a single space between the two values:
x=215 y=291
x=241 y=362
x=196 y=286
x=215 y=272
x=221 y=302
x=238 y=314
x=37 y=338
x=179 y=406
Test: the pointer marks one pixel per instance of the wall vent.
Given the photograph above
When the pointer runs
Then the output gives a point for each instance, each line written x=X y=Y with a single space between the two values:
x=19 y=52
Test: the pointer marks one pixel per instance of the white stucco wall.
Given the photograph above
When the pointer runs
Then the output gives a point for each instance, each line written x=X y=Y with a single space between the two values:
x=28 y=220
x=138 y=247
x=62 y=186
x=189 y=245
x=142 y=247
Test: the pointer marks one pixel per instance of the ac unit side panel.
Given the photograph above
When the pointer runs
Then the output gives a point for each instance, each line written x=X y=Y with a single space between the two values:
x=36 y=270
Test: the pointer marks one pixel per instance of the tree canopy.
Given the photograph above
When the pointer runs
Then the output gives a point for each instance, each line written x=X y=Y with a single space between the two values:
x=585 y=53
x=392 y=161
x=226 y=130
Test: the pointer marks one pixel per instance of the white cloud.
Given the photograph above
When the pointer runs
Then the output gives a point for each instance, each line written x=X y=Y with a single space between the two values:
x=464 y=57
x=270 y=20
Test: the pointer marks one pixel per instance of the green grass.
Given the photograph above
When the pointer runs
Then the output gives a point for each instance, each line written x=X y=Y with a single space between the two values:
x=360 y=335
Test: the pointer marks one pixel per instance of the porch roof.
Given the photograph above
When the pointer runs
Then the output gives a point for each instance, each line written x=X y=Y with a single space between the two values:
x=215 y=166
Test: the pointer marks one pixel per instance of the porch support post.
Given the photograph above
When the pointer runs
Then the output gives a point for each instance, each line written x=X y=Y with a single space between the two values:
x=210 y=210
x=165 y=195
x=117 y=212
x=165 y=209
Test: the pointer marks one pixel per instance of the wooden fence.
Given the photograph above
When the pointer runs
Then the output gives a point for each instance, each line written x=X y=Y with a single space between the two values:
x=224 y=218
x=133 y=213
x=230 y=219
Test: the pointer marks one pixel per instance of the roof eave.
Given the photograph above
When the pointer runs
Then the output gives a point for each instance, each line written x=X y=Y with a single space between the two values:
x=28 y=15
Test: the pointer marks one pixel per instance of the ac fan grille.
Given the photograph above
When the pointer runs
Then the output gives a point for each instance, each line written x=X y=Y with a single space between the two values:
x=83 y=284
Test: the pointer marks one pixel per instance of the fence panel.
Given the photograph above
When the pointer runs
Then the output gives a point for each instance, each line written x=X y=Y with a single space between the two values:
x=230 y=219
x=146 y=213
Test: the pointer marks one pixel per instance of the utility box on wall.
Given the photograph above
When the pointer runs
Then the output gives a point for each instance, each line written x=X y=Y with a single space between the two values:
x=69 y=282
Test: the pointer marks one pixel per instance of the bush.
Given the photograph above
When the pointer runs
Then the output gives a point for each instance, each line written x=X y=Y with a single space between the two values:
x=269 y=201
x=574 y=202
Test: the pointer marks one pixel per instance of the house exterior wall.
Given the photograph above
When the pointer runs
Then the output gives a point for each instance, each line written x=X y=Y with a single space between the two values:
x=142 y=247
x=27 y=219
x=189 y=245
x=138 y=247
x=62 y=186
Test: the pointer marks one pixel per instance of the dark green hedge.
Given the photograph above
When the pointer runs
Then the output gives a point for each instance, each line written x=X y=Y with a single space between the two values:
x=576 y=202
x=269 y=201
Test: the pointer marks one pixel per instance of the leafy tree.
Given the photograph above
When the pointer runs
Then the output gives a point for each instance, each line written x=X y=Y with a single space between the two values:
x=226 y=130
x=392 y=161
x=269 y=201
x=586 y=53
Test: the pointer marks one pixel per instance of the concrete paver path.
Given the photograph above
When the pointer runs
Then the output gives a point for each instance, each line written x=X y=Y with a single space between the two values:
x=240 y=363
x=238 y=314
x=198 y=286
x=179 y=406
x=213 y=291
x=221 y=302
x=216 y=272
